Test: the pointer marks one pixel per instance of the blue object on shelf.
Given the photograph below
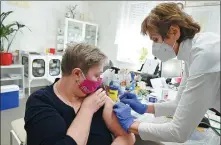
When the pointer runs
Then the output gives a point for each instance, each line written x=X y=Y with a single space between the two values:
x=152 y=99
x=111 y=83
x=9 y=97
x=133 y=85
x=120 y=92
x=132 y=75
x=113 y=87
x=127 y=89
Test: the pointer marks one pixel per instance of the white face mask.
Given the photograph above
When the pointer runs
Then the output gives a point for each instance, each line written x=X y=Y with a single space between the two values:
x=163 y=51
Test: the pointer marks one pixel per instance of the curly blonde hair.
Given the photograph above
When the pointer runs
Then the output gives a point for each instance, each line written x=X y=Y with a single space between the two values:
x=166 y=14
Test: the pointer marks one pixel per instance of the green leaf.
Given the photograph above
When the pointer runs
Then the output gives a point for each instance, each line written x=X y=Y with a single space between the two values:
x=19 y=25
x=10 y=25
x=5 y=15
x=9 y=31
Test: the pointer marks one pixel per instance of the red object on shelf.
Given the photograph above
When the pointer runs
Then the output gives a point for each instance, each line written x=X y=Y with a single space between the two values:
x=5 y=58
x=52 y=50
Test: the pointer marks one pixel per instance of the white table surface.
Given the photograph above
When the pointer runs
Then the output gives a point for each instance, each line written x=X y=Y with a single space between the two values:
x=207 y=137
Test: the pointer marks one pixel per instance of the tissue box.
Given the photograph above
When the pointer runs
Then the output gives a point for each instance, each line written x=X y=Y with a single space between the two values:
x=9 y=97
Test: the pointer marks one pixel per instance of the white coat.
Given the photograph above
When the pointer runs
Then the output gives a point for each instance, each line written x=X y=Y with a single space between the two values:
x=198 y=91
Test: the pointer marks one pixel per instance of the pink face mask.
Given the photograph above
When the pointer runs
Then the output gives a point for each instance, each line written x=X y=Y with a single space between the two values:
x=89 y=86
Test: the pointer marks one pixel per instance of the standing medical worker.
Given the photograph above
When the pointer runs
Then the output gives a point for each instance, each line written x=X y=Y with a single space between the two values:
x=175 y=34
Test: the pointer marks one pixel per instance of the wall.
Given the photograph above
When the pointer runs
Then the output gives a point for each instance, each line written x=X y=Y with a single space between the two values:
x=42 y=18
x=207 y=16
x=106 y=14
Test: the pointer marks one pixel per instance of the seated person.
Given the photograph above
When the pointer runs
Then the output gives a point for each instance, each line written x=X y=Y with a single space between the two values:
x=72 y=111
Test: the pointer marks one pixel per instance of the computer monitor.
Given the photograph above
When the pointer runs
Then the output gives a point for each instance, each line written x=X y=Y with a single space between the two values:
x=171 y=68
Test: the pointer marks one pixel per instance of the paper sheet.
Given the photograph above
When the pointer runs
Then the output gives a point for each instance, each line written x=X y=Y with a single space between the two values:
x=150 y=66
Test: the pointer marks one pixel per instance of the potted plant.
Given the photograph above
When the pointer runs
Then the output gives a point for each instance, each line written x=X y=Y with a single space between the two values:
x=7 y=34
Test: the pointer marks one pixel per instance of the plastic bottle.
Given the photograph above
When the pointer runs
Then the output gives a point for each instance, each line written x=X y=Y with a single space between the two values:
x=108 y=76
x=115 y=80
x=113 y=93
x=133 y=85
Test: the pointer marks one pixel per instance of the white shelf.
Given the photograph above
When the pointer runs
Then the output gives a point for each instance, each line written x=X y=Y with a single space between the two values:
x=40 y=82
x=12 y=66
x=21 y=94
x=10 y=79
x=13 y=72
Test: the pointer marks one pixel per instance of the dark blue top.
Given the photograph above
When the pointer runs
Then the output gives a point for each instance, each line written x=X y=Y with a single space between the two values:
x=47 y=119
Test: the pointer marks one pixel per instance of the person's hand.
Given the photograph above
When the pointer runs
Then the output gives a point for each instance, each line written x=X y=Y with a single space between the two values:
x=131 y=99
x=123 y=113
x=94 y=101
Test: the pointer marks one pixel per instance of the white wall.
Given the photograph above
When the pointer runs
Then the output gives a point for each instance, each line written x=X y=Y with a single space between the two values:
x=42 y=18
x=207 y=16
x=107 y=14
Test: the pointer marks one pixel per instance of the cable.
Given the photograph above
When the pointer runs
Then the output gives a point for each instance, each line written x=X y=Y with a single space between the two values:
x=213 y=128
x=215 y=121
x=212 y=119
x=215 y=111
x=210 y=126
x=207 y=115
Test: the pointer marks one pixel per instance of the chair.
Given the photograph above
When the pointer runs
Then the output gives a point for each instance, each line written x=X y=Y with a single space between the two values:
x=18 y=132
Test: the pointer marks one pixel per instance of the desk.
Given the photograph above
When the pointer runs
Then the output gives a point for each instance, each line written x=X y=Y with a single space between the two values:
x=207 y=137
x=159 y=93
x=210 y=139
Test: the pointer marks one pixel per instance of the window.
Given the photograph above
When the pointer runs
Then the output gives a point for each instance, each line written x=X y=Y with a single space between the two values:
x=128 y=38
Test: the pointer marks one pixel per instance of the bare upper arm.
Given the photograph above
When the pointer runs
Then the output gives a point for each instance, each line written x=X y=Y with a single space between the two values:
x=121 y=137
x=111 y=120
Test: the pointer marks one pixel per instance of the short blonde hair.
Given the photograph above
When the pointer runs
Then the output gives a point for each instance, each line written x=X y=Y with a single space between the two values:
x=81 y=56
x=166 y=14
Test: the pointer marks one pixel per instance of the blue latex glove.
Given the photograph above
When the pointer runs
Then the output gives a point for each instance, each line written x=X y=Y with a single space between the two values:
x=123 y=113
x=131 y=99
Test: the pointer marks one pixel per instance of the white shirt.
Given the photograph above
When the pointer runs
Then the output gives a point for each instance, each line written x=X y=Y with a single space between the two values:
x=198 y=91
